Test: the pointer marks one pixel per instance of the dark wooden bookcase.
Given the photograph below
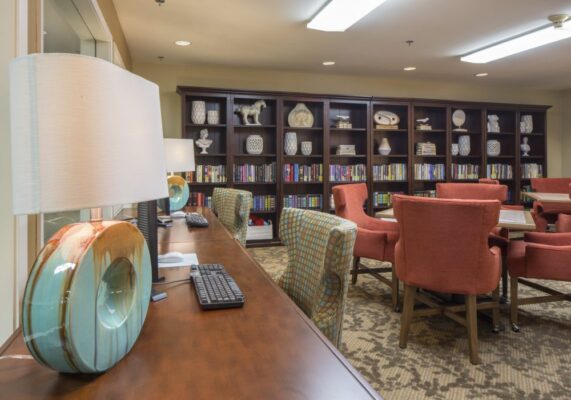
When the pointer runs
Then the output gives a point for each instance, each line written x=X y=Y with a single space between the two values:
x=229 y=146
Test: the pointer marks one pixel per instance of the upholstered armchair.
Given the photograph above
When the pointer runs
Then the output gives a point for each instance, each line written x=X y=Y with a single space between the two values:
x=376 y=239
x=539 y=256
x=443 y=247
x=487 y=189
x=563 y=224
x=320 y=250
x=546 y=213
x=233 y=209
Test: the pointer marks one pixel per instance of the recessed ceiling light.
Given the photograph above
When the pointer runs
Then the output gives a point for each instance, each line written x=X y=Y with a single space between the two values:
x=338 y=15
x=481 y=74
x=182 y=43
x=328 y=63
x=558 y=30
x=409 y=68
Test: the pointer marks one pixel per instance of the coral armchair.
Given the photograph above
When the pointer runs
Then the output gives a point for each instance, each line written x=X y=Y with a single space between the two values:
x=483 y=191
x=538 y=256
x=320 y=250
x=443 y=247
x=546 y=213
x=563 y=224
x=233 y=209
x=376 y=239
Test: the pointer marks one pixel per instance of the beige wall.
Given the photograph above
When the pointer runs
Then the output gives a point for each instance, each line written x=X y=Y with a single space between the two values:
x=110 y=15
x=8 y=320
x=169 y=76
x=566 y=134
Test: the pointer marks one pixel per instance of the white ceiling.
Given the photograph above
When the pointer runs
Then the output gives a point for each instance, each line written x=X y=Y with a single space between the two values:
x=272 y=34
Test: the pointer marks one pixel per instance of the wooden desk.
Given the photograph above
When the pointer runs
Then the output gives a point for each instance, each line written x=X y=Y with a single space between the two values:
x=548 y=197
x=266 y=350
x=504 y=222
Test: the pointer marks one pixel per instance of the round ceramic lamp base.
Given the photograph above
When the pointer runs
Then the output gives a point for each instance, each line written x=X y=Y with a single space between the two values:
x=87 y=296
x=178 y=192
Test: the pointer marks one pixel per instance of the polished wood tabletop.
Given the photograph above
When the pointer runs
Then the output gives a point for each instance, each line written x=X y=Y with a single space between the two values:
x=512 y=219
x=266 y=350
x=548 y=197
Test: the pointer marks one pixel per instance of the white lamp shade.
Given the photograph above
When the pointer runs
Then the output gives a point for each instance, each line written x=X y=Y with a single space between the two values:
x=179 y=155
x=85 y=133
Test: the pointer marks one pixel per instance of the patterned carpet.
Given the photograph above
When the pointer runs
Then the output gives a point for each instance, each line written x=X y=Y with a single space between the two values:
x=532 y=364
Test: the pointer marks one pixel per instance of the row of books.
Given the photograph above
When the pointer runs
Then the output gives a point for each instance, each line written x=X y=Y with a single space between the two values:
x=247 y=173
x=348 y=173
x=430 y=172
x=264 y=202
x=198 y=199
x=303 y=173
x=465 y=171
x=529 y=171
x=499 y=171
x=314 y=201
x=425 y=193
x=207 y=174
x=390 y=172
x=383 y=199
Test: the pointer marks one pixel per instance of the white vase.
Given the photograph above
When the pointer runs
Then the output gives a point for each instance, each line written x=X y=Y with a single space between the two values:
x=198 y=112
x=306 y=148
x=525 y=147
x=527 y=121
x=254 y=144
x=464 y=145
x=385 y=148
x=290 y=145
x=494 y=148
x=455 y=149
x=213 y=117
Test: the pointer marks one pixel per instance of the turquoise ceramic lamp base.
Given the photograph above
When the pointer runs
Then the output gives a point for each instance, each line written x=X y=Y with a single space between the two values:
x=178 y=192
x=87 y=296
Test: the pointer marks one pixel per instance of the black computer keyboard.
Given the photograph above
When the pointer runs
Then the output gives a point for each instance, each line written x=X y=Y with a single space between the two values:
x=215 y=288
x=196 y=220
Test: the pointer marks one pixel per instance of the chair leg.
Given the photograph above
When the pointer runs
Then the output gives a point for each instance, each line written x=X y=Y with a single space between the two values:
x=406 y=317
x=504 y=298
x=355 y=270
x=496 y=310
x=472 y=328
x=395 y=290
x=513 y=305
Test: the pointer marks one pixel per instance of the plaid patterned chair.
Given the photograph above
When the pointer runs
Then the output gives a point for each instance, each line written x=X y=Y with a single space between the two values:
x=320 y=250
x=233 y=209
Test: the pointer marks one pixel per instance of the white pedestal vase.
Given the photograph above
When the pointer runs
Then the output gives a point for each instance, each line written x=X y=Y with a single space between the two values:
x=464 y=145
x=290 y=145
x=198 y=112
x=254 y=144
x=385 y=148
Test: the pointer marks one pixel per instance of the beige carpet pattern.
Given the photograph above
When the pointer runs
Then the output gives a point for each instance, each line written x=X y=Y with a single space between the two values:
x=532 y=364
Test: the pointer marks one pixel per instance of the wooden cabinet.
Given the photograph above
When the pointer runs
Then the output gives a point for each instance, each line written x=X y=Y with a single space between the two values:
x=307 y=180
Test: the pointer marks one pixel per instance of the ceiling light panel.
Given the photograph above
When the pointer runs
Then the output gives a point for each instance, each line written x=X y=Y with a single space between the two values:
x=338 y=15
x=519 y=44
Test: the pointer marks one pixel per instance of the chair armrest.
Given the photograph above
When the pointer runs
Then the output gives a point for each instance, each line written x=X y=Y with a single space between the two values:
x=512 y=207
x=552 y=239
x=375 y=224
x=543 y=261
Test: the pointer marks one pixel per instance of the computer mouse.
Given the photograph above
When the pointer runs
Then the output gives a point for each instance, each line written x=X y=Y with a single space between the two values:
x=173 y=257
x=178 y=214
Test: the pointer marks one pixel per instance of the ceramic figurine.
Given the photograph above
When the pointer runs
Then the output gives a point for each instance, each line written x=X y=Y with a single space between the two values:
x=213 y=117
x=300 y=117
x=493 y=124
x=386 y=120
x=384 y=148
x=525 y=147
x=198 y=112
x=494 y=148
x=254 y=144
x=290 y=145
x=251 y=111
x=464 y=145
x=423 y=125
x=306 y=148
x=204 y=143
x=455 y=149
x=458 y=119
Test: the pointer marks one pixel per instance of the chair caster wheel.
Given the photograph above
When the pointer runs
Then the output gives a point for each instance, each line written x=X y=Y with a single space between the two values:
x=396 y=308
x=515 y=328
x=496 y=329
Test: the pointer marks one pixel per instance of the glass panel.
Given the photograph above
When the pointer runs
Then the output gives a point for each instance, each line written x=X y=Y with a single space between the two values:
x=65 y=32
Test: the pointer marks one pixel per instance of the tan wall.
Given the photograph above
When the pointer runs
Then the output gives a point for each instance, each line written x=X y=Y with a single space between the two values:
x=110 y=15
x=169 y=76
x=8 y=320
x=566 y=134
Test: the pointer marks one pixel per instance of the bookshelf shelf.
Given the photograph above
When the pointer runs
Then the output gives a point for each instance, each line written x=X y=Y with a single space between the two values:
x=229 y=140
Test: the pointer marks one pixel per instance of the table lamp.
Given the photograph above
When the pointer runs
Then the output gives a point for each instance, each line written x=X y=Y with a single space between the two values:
x=85 y=134
x=179 y=156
